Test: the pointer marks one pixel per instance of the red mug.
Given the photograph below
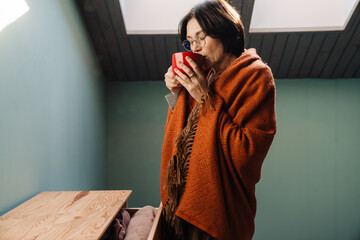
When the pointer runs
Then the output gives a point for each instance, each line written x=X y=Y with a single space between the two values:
x=181 y=56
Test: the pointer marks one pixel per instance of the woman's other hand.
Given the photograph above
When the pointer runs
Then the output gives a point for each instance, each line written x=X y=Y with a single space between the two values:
x=171 y=83
x=194 y=80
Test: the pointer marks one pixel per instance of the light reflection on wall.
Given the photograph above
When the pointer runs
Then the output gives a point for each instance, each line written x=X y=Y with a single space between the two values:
x=10 y=10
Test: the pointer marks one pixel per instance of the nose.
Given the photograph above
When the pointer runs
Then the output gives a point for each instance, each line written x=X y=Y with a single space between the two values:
x=196 y=48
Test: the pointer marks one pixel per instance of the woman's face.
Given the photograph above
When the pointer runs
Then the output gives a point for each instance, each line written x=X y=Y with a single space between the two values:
x=213 y=51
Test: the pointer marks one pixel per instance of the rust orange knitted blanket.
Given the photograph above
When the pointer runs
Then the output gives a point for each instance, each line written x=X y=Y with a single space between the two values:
x=230 y=145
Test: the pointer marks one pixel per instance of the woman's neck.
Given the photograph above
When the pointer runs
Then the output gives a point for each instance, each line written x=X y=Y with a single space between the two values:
x=224 y=63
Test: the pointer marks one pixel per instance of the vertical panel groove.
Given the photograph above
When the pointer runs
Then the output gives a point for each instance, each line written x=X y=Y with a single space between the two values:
x=337 y=72
x=282 y=55
x=317 y=56
x=293 y=57
x=109 y=13
x=327 y=59
x=157 y=62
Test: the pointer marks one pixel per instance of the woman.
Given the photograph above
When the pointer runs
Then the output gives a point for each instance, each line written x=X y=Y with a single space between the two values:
x=220 y=125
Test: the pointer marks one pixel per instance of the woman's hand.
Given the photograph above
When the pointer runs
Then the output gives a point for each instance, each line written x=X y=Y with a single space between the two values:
x=194 y=80
x=171 y=83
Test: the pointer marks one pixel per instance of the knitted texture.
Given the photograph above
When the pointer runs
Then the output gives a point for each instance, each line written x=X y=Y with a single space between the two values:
x=176 y=179
x=177 y=172
x=228 y=150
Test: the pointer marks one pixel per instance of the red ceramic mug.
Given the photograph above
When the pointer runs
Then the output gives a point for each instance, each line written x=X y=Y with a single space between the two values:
x=181 y=56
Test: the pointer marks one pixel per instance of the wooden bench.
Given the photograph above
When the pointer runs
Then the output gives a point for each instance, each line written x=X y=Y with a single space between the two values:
x=63 y=215
x=68 y=215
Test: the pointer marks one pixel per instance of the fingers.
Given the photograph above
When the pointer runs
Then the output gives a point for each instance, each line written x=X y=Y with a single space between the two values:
x=193 y=86
x=180 y=74
x=171 y=83
x=182 y=78
x=187 y=70
x=194 y=66
x=172 y=87
x=170 y=73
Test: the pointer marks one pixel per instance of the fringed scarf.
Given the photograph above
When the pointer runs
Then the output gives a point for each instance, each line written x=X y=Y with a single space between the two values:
x=177 y=172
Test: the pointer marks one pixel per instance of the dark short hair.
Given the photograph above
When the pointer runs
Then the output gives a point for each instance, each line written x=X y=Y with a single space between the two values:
x=219 y=20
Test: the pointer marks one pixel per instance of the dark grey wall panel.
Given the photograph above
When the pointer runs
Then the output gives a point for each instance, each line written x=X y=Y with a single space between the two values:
x=347 y=54
x=171 y=47
x=255 y=42
x=353 y=66
x=324 y=53
x=161 y=55
x=150 y=57
x=247 y=7
x=108 y=33
x=267 y=47
x=311 y=55
x=180 y=47
x=299 y=56
x=342 y=42
x=290 y=55
x=117 y=24
x=357 y=74
x=140 y=61
x=278 y=49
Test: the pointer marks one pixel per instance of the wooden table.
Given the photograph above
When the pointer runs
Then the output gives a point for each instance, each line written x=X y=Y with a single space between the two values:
x=63 y=215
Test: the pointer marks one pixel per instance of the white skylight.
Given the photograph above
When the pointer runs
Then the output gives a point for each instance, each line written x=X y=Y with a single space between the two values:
x=301 y=15
x=163 y=16
x=154 y=16
x=10 y=10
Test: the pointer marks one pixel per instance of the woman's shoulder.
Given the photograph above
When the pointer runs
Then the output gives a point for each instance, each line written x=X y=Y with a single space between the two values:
x=246 y=70
x=250 y=58
x=249 y=63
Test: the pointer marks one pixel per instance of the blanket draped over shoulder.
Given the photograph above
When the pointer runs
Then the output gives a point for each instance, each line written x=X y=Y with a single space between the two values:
x=228 y=149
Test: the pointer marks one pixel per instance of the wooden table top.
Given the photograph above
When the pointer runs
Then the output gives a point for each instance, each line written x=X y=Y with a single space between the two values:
x=63 y=215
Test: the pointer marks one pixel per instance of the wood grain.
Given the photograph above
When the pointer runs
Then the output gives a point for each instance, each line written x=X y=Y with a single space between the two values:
x=155 y=231
x=63 y=215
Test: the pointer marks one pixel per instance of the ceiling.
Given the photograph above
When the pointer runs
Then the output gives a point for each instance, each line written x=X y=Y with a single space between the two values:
x=322 y=54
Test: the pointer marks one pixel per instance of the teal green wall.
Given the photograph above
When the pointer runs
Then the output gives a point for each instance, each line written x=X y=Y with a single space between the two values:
x=310 y=179
x=136 y=115
x=310 y=182
x=52 y=114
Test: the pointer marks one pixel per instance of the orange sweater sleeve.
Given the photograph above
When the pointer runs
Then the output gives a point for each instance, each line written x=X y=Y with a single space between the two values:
x=247 y=126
